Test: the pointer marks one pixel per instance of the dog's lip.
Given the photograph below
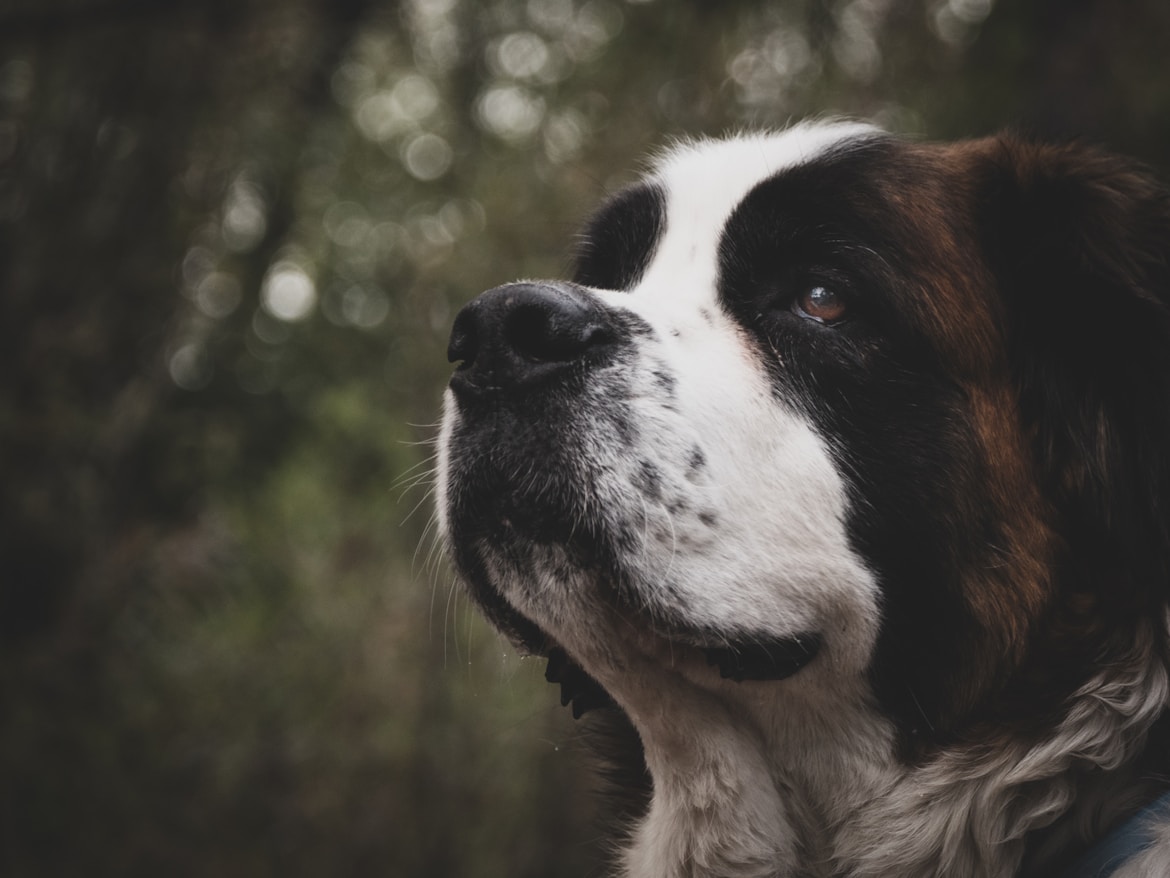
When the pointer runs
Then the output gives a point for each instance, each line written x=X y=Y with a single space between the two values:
x=769 y=659
x=760 y=660
x=740 y=656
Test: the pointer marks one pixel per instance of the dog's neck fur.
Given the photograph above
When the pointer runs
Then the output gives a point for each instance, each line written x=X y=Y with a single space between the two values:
x=808 y=788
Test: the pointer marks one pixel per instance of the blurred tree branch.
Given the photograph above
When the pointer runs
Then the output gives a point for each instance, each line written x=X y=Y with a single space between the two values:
x=41 y=19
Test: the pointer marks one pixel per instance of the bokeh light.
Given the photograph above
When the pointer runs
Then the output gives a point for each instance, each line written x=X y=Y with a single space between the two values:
x=427 y=156
x=288 y=293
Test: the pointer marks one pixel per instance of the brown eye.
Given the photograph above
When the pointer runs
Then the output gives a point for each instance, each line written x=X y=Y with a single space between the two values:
x=821 y=304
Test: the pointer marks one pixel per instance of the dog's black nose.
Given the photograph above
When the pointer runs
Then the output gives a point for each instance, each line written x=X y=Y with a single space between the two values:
x=521 y=332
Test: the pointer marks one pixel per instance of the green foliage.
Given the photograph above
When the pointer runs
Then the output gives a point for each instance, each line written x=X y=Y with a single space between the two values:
x=232 y=239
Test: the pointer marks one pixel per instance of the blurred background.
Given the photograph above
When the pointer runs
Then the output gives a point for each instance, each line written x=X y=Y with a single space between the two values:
x=233 y=234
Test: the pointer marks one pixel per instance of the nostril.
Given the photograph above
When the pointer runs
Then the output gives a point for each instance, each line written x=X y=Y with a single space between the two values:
x=548 y=332
x=463 y=342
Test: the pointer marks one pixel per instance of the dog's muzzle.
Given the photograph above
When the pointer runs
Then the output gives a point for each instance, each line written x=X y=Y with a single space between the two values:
x=540 y=367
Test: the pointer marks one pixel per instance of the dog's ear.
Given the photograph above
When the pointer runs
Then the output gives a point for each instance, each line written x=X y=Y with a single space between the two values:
x=1079 y=242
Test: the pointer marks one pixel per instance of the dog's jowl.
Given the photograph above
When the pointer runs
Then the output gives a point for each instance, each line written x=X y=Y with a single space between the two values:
x=836 y=478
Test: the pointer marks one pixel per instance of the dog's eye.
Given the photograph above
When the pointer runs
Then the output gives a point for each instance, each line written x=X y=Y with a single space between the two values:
x=820 y=304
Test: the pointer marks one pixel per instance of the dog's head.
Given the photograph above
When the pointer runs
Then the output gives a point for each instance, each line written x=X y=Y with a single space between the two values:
x=829 y=415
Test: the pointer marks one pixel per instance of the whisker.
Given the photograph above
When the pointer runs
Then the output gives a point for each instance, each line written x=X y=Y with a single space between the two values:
x=427 y=496
x=412 y=472
x=431 y=526
x=447 y=617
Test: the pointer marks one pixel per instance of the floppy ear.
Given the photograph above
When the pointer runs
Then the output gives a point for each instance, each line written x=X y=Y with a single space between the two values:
x=1081 y=244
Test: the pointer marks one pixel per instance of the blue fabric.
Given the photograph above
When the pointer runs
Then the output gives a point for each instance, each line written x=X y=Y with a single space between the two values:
x=1107 y=855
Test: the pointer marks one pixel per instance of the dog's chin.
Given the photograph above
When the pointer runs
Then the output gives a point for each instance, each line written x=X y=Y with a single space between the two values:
x=719 y=658
x=555 y=585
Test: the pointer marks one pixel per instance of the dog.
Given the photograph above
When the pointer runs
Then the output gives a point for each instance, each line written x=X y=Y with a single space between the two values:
x=837 y=478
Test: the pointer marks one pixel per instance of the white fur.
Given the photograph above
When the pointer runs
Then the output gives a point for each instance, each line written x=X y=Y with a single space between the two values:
x=966 y=812
x=779 y=555
x=824 y=772
x=1154 y=860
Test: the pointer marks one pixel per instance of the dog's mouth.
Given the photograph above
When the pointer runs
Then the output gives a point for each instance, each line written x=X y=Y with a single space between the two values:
x=775 y=659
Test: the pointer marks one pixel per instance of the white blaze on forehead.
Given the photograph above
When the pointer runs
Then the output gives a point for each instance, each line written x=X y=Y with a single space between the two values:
x=730 y=504
x=758 y=541
x=705 y=179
